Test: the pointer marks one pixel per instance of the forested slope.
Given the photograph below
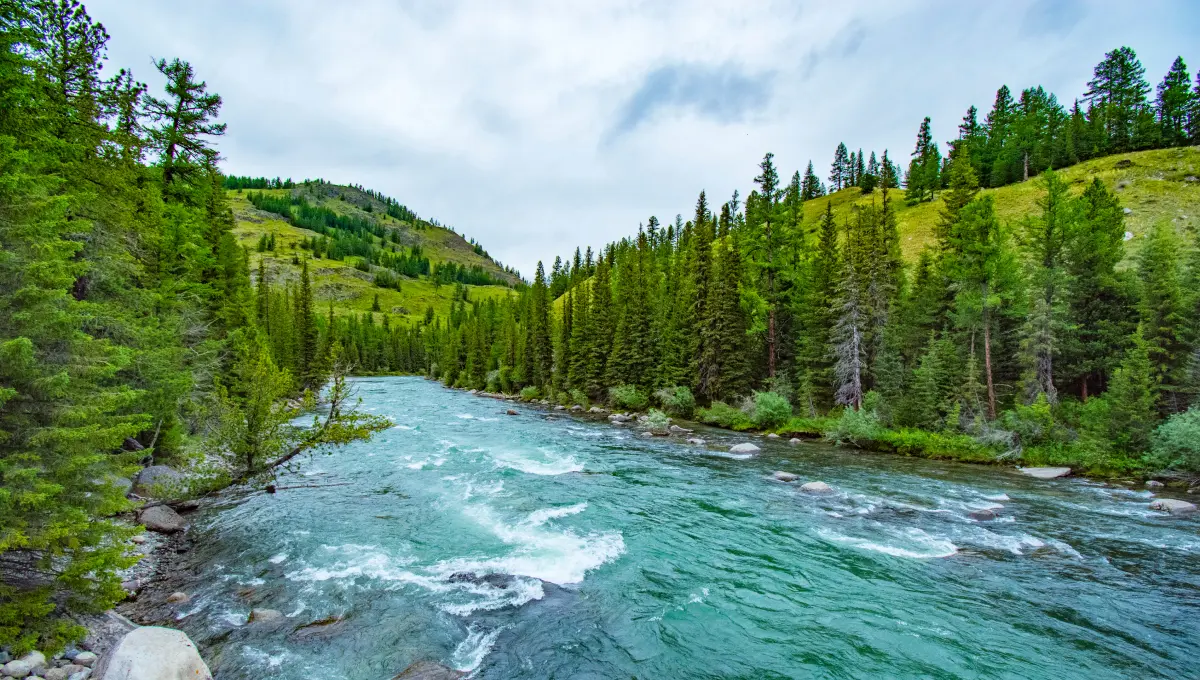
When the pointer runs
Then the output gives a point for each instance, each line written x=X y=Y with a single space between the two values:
x=433 y=266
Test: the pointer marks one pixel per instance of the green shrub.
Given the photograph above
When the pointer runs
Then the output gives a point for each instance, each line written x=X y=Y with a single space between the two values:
x=656 y=421
x=855 y=427
x=1035 y=424
x=678 y=401
x=770 y=410
x=721 y=414
x=579 y=397
x=493 y=380
x=530 y=393
x=628 y=397
x=1176 y=443
x=505 y=379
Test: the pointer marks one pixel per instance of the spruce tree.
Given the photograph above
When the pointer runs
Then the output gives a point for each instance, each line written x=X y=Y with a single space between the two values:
x=1131 y=398
x=1118 y=89
x=1044 y=242
x=1161 y=312
x=838 y=170
x=810 y=186
x=1175 y=102
x=186 y=119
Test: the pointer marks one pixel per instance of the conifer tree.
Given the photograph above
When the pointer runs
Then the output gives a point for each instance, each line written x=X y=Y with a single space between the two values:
x=1175 y=101
x=1161 y=313
x=838 y=171
x=186 y=119
x=1044 y=244
x=810 y=186
x=816 y=312
x=1118 y=89
x=767 y=249
x=306 y=332
x=1131 y=398
x=923 y=171
x=538 y=349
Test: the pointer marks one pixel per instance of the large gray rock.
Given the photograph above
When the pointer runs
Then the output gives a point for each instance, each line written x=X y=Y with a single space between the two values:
x=816 y=487
x=772 y=436
x=675 y=429
x=428 y=670
x=1173 y=506
x=1046 y=472
x=746 y=447
x=153 y=653
x=162 y=519
x=794 y=441
x=84 y=674
x=784 y=476
x=57 y=674
x=619 y=418
x=595 y=409
x=86 y=659
x=1154 y=484
x=24 y=666
x=158 y=481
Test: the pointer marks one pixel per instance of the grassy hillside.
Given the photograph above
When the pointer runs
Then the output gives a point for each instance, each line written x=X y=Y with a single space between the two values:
x=352 y=290
x=1155 y=185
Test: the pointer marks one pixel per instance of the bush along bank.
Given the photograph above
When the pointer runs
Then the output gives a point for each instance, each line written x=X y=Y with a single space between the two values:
x=1034 y=436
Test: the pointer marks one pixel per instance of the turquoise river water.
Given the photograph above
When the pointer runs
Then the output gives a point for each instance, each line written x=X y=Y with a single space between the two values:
x=548 y=546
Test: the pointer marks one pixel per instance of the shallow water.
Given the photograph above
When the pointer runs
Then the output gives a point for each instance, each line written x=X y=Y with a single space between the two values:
x=654 y=559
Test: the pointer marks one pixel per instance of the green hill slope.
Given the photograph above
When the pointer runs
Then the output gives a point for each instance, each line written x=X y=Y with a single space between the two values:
x=350 y=288
x=1163 y=184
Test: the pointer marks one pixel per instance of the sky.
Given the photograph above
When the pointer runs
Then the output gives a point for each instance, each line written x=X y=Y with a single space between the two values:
x=536 y=127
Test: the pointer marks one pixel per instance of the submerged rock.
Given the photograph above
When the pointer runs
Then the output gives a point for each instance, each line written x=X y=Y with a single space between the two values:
x=746 y=447
x=495 y=580
x=1046 y=472
x=429 y=670
x=1173 y=506
x=675 y=429
x=982 y=515
x=816 y=487
x=321 y=628
x=794 y=441
x=162 y=519
x=784 y=476
x=696 y=441
x=153 y=653
x=265 y=616
x=511 y=412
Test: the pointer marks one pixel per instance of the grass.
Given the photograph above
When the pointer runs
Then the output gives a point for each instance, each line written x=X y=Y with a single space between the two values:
x=353 y=291
x=1154 y=185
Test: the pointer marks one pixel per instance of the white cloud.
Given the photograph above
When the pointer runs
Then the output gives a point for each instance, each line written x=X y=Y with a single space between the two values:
x=505 y=119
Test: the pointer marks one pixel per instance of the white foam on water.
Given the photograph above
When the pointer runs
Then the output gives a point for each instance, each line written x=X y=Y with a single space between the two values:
x=519 y=591
x=465 y=416
x=560 y=557
x=548 y=464
x=998 y=498
x=300 y=607
x=278 y=558
x=1016 y=545
x=470 y=653
x=924 y=546
x=403 y=427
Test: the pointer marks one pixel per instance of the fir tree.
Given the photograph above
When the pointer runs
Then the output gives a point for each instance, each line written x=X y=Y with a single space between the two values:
x=839 y=170
x=1175 y=102
x=810 y=186
x=1118 y=89
x=1131 y=398
x=1161 y=312
x=186 y=119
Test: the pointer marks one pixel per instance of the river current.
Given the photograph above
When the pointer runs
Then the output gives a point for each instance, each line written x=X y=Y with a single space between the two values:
x=549 y=546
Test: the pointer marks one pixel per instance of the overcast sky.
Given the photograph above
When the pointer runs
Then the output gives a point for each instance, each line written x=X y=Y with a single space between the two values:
x=538 y=126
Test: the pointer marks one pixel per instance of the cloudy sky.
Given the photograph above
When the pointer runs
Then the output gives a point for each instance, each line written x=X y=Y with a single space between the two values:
x=538 y=126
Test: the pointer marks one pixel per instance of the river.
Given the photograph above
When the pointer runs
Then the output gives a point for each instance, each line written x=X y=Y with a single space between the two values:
x=617 y=556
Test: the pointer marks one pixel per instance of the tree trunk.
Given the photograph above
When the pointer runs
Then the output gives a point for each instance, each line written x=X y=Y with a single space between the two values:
x=987 y=358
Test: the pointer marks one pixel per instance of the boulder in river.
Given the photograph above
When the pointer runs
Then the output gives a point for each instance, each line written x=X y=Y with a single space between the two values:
x=265 y=616
x=982 y=515
x=696 y=441
x=794 y=441
x=1046 y=472
x=1173 y=506
x=619 y=418
x=320 y=629
x=745 y=447
x=576 y=408
x=158 y=481
x=816 y=487
x=784 y=476
x=772 y=436
x=495 y=580
x=1154 y=484
x=560 y=407
x=153 y=653
x=675 y=429
x=429 y=670
x=179 y=597
x=595 y=409
x=511 y=412
x=162 y=519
